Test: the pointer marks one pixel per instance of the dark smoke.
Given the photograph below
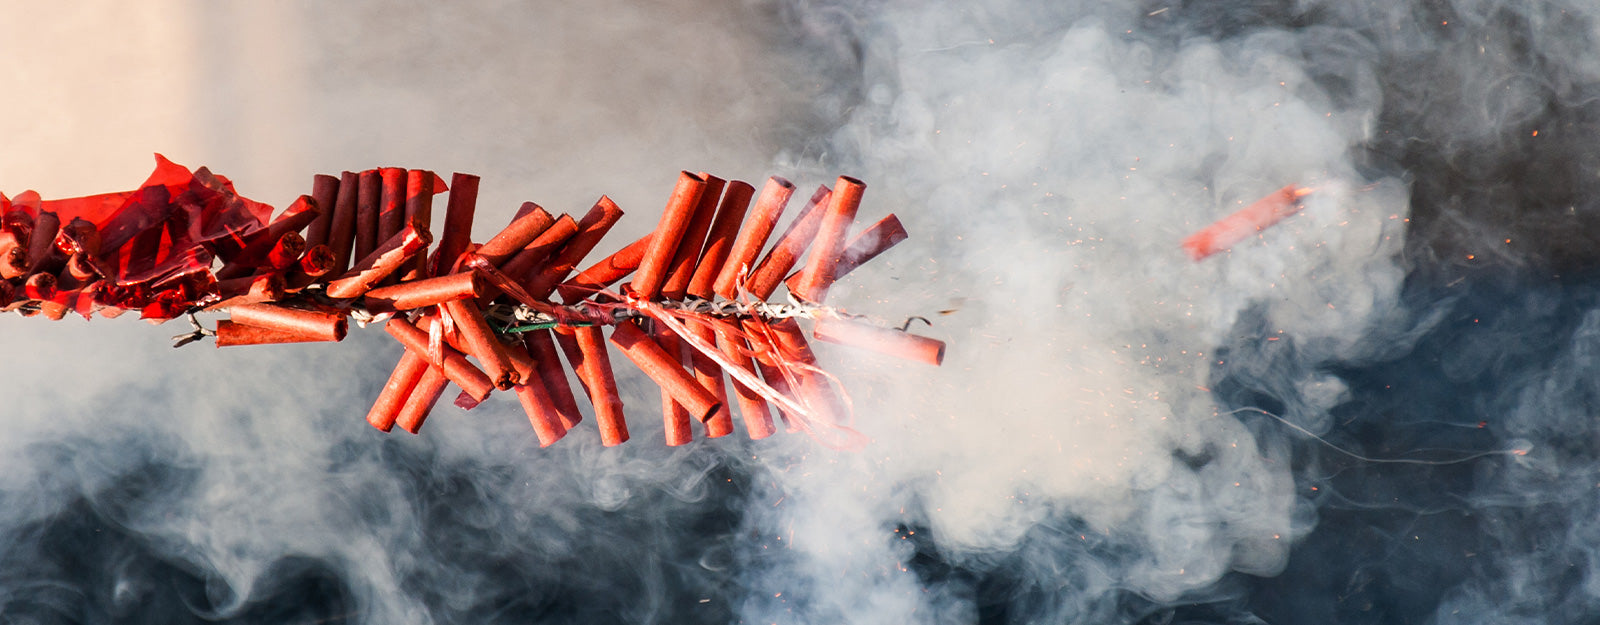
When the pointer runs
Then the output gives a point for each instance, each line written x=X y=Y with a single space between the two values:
x=1381 y=410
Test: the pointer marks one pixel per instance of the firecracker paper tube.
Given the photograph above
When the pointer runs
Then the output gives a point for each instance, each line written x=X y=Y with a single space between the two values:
x=249 y=290
x=324 y=193
x=533 y=255
x=752 y=408
x=567 y=337
x=687 y=258
x=536 y=401
x=542 y=348
x=675 y=218
x=406 y=374
x=667 y=371
x=885 y=341
x=519 y=265
x=330 y=326
x=594 y=226
x=865 y=246
x=13 y=257
x=232 y=333
x=15 y=220
x=80 y=268
x=1246 y=221
x=530 y=222
x=42 y=242
x=78 y=235
x=787 y=250
x=479 y=341
x=315 y=263
x=421 y=401
x=392 y=201
x=753 y=236
x=466 y=375
x=720 y=239
x=541 y=412
x=709 y=374
x=819 y=272
x=606 y=272
x=291 y=246
x=420 y=187
x=391 y=256
x=601 y=382
x=456 y=234
x=426 y=292
x=342 y=233
x=369 y=186
x=39 y=286
x=774 y=378
x=791 y=340
x=675 y=418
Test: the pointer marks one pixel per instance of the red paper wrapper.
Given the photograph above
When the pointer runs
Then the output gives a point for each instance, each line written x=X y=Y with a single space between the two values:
x=291 y=246
x=479 y=341
x=709 y=374
x=786 y=252
x=342 y=232
x=530 y=222
x=753 y=236
x=370 y=186
x=675 y=218
x=315 y=263
x=667 y=371
x=231 y=334
x=41 y=246
x=1244 y=222
x=391 y=202
x=882 y=340
x=327 y=326
x=13 y=257
x=719 y=241
x=420 y=187
x=675 y=418
x=867 y=245
x=324 y=194
x=606 y=272
x=533 y=255
x=459 y=211
x=687 y=257
x=422 y=400
x=386 y=408
x=261 y=246
x=819 y=272
x=547 y=363
x=591 y=228
x=426 y=292
x=387 y=259
x=249 y=290
x=471 y=379
x=752 y=408
x=594 y=368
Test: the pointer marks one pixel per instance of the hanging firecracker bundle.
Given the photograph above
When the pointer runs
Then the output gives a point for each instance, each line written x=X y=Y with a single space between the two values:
x=363 y=246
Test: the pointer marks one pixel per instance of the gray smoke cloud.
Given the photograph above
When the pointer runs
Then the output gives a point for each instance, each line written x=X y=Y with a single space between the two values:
x=1081 y=456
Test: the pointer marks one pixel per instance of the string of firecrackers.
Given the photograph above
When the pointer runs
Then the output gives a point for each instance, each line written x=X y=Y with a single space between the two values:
x=358 y=248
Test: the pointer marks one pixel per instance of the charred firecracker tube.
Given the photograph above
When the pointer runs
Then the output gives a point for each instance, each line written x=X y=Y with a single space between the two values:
x=364 y=247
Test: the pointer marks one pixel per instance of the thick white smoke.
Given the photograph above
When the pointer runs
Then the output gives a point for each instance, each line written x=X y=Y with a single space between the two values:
x=1075 y=458
x=1049 y=177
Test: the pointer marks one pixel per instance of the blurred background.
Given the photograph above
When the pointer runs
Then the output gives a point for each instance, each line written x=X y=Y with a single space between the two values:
x=1380 y=410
